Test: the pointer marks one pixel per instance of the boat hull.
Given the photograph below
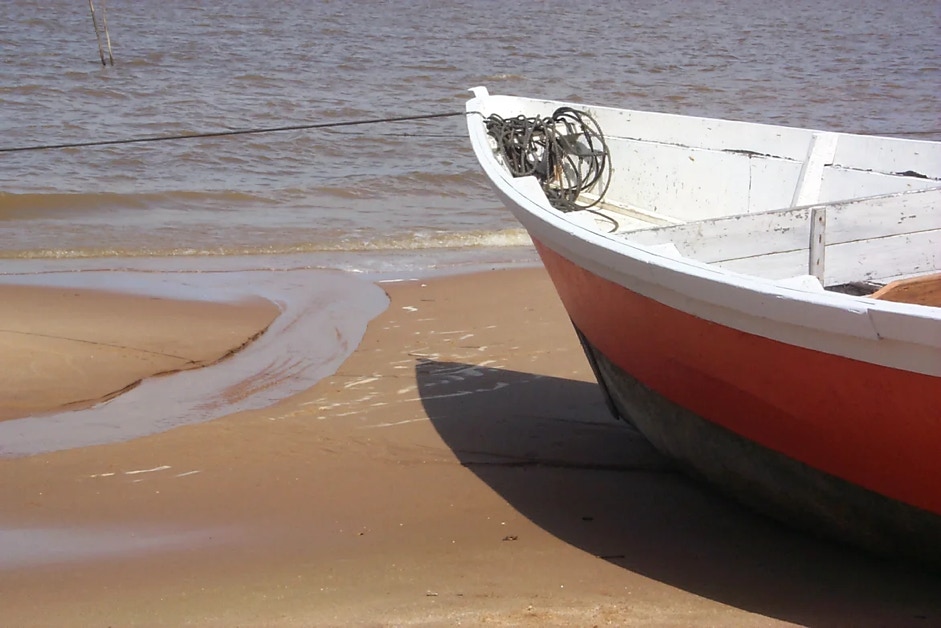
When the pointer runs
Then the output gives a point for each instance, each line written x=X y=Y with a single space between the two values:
x=837 y=446
x=697 y=287
x=768 y=481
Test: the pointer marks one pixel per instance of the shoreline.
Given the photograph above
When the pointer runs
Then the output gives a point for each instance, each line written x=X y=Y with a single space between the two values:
x=312 y=319
x=458 y=466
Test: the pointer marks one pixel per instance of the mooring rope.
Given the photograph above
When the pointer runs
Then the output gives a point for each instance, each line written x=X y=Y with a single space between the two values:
x=191 y=136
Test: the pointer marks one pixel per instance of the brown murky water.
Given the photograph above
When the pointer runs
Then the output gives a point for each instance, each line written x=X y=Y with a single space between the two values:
x=390 y=196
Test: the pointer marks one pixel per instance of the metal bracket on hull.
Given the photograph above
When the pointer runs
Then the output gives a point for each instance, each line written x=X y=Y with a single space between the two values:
x=818 y=242
x=819 y=155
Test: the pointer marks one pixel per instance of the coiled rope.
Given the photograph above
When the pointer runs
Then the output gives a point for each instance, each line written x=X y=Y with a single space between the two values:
x=566 y=152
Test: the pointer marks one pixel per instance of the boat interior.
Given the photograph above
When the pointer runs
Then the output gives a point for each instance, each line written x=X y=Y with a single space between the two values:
x=856 y=212
x=860 y=247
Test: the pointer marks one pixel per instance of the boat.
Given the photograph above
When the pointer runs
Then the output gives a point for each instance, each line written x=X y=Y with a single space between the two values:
x=762 y=303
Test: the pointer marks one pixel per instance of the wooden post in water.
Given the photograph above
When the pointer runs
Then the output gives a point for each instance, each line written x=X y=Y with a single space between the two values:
x=104 y=21
x=94 y=21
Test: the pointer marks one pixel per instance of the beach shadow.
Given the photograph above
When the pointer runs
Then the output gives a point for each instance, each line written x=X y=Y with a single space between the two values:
x=549 y=447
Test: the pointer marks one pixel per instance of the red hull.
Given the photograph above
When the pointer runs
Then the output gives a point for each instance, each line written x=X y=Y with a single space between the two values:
x=872 y=426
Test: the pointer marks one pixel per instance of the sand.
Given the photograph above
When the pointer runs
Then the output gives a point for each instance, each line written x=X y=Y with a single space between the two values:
x=67 y=348
x=460 y=467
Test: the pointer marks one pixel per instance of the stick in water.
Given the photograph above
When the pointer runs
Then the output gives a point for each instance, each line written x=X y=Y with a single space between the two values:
x=104 y=21
x=94 y=21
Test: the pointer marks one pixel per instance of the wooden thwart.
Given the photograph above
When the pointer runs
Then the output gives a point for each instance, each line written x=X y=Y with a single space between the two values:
x=924 y=290
x=852 y=240
x=819 y=156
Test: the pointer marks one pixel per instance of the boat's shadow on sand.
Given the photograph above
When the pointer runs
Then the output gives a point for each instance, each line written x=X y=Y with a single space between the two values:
x=548 y=446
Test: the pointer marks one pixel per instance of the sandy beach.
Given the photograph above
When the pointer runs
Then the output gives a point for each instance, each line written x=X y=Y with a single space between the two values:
x=62 y=348
x=459 y=467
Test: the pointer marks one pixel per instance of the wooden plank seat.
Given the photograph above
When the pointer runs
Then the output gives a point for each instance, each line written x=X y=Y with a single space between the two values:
x=865 y=239
x=924 y=290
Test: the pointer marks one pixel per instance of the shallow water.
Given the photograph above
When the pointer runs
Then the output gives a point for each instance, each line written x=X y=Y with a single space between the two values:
x=354 y=195
x=323 y=318
x=33 y=546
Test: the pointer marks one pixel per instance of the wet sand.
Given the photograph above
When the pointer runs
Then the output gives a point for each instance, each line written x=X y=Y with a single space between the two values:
x=67 y=348
x=459 y=467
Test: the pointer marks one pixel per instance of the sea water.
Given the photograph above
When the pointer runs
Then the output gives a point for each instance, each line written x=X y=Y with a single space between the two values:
x=355 y=197
x=381 y=199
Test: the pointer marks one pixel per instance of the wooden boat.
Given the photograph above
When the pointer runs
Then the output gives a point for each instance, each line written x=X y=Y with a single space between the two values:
x=763 y=303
